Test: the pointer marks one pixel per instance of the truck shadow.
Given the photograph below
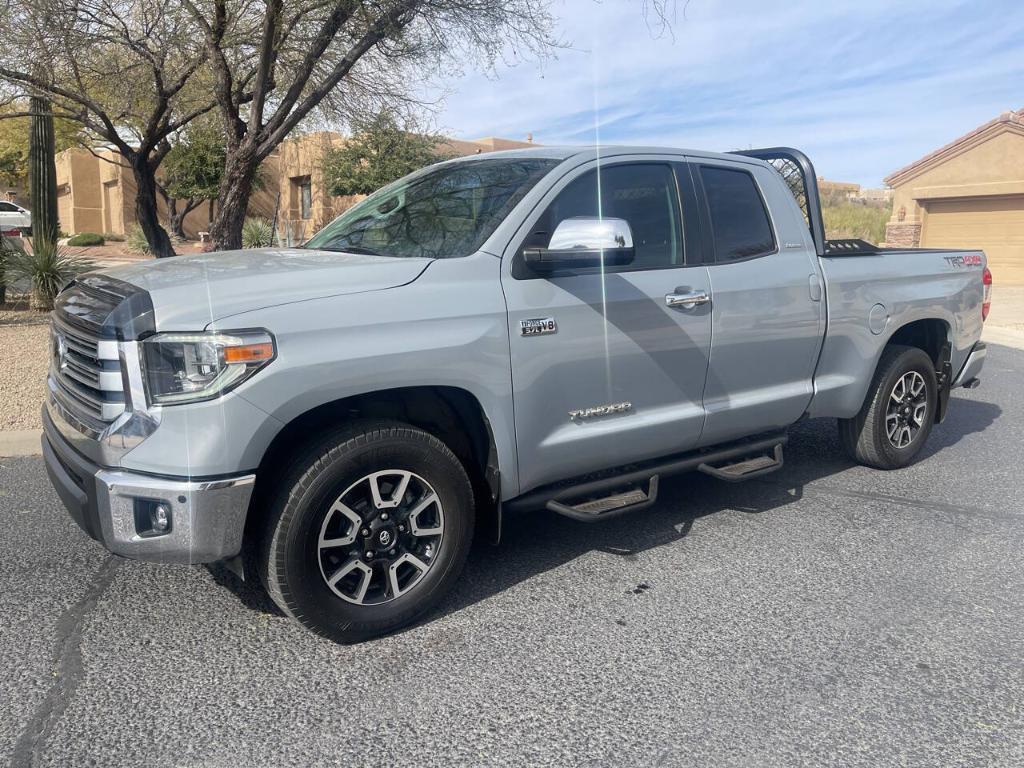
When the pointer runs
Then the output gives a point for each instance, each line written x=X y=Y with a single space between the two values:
x=538 y=542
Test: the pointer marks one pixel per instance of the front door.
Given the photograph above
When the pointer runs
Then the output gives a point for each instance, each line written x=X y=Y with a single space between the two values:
x=604 y=372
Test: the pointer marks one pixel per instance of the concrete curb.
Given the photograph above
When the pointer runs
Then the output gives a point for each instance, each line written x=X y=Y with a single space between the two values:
x=22 y=442
x=1009 y=337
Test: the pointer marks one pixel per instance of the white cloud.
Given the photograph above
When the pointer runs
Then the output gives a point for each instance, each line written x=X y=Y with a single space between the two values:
x=864 y=86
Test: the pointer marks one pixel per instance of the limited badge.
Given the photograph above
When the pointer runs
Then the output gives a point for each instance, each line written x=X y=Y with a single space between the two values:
x=538 y=326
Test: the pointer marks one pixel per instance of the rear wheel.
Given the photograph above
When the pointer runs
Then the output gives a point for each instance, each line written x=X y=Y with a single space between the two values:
x=898 y=412
x=369 y=530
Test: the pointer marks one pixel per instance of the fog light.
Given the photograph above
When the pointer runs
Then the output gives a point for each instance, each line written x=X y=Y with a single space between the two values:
x=160 y=516
x=153 y=517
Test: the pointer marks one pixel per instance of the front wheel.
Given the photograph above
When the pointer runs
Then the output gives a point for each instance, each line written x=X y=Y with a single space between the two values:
x=368 y=532
x=898 y=412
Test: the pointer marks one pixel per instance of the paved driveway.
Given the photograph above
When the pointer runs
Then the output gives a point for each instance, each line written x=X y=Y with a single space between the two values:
x=827 y=615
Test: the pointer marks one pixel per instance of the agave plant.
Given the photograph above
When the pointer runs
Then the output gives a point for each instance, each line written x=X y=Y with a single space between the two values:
x=136 y=241
x=48 y=268
x=257 y=233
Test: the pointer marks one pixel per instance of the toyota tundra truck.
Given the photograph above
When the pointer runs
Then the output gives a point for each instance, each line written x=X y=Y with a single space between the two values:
x=540 y=329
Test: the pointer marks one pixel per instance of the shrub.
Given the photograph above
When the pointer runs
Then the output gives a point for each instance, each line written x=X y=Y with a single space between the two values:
x=86 y=238
x=136 y=241
x=113 y=237
x=7 y=248
x=853 y=220
x=47 y=268
x=257 y=233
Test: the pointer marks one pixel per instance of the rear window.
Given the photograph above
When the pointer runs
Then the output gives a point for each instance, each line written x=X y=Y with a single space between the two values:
x=739 y=221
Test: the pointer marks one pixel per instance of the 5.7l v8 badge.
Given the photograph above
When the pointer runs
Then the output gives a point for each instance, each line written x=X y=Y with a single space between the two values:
x=537 y=326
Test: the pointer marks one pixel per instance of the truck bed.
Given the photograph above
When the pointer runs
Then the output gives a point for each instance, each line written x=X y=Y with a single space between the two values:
x=854 y=247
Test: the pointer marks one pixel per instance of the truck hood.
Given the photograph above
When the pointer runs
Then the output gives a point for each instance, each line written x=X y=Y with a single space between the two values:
x=188 y=292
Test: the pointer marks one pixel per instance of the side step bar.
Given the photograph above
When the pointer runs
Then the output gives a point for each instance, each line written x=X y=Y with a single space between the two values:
x=745 y=469
x=616 y=494
x=610 y=506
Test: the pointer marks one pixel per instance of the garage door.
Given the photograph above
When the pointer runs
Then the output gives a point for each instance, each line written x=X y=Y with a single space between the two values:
x=994 y=224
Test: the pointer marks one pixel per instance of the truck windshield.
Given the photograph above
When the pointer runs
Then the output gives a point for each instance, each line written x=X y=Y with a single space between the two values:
x=446 y=212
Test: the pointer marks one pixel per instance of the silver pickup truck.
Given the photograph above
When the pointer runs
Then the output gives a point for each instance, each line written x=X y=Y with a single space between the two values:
x=549 y=328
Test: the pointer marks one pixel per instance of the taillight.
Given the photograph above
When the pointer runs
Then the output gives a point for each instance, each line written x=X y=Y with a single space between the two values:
x=986 y=296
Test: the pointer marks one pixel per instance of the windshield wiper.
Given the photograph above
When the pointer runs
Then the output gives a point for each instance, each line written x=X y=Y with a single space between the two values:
x=357 y=249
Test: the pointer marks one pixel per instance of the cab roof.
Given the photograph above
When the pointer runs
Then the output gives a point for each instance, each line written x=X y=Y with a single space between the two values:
x=584 y=153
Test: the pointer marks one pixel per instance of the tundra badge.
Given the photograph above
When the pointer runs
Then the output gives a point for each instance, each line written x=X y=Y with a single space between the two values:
x=600 y=410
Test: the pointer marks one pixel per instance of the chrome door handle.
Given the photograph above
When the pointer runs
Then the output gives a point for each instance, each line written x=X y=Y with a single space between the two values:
x=687 y=300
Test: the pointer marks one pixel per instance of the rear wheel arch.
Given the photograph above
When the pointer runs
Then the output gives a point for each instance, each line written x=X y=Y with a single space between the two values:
x=933 y=335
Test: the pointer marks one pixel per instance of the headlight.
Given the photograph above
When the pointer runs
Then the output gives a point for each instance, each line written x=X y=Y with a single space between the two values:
x=186 y=367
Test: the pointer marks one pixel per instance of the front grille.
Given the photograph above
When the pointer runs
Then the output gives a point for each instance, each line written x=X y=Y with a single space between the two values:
x=85 y=372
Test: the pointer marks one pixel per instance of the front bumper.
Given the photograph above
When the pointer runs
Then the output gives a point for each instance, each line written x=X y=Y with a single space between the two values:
x=207 y=516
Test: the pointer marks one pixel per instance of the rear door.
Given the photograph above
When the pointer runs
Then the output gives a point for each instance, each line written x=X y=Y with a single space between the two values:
x=767 y=302
x=608 y=341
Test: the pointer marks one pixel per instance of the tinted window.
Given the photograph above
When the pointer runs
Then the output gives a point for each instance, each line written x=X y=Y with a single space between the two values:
x=7 y=207
x=643 y=195
x=444 y=212
x=739 y=221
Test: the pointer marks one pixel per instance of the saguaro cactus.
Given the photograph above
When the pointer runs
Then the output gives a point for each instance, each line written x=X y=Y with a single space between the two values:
x=42 y=173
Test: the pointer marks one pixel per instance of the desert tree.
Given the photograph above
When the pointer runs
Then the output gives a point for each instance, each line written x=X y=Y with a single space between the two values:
x=128 y=71
x=190 y=173
x=379 y=151
x=14 y=141
x=275 y=65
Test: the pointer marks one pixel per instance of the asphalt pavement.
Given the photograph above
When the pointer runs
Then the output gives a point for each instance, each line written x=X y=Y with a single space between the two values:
x=826 y=615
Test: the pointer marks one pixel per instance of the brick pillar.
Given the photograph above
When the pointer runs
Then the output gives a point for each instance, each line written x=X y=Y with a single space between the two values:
x=902 y=234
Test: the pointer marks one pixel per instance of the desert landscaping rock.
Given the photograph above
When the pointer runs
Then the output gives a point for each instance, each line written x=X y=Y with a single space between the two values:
x=24 y=345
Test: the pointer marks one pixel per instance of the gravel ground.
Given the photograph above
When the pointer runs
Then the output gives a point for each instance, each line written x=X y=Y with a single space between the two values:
x=826 y=615
x=24 y=356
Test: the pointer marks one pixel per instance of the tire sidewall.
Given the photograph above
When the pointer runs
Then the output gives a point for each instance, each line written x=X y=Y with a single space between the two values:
x=910 y=360
x=309 y=593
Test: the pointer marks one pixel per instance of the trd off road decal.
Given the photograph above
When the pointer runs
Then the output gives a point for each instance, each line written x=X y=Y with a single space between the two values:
x=961 y=261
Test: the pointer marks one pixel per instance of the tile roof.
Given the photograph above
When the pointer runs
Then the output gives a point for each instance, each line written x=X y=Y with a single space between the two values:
x=1013 y=117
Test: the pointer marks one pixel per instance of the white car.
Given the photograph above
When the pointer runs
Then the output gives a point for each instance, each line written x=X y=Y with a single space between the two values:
x=13 y=216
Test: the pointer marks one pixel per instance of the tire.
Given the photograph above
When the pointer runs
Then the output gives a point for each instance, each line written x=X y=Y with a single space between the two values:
x=866 y=436
x=299 y=553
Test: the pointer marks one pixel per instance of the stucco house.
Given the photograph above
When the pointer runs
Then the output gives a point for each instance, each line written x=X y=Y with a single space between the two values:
x=305 y=204
x=96 y=191
x=967 y=194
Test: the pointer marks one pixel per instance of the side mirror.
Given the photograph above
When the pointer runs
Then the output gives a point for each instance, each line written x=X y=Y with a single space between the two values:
x=584 y=241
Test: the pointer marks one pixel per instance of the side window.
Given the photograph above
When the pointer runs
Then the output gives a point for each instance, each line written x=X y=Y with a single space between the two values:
x=739 y=222
x=7 y=207
x=642 y=194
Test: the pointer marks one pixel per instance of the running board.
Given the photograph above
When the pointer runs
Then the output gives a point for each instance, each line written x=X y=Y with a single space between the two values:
x=610 y=506
x=746 y=469
x=565 y=497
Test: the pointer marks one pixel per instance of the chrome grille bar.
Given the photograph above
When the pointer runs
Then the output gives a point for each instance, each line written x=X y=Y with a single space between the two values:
x=85 y=371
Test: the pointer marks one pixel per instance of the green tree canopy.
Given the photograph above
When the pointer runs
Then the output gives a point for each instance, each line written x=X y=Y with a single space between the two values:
x=14 y=143
x=378 y=153
x=192 y=168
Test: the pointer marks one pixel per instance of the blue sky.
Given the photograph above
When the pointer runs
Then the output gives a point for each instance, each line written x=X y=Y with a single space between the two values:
x=863 y=86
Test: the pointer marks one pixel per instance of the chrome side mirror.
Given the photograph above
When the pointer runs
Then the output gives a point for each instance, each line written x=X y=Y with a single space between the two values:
x=591 y=234
x=584 y=241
